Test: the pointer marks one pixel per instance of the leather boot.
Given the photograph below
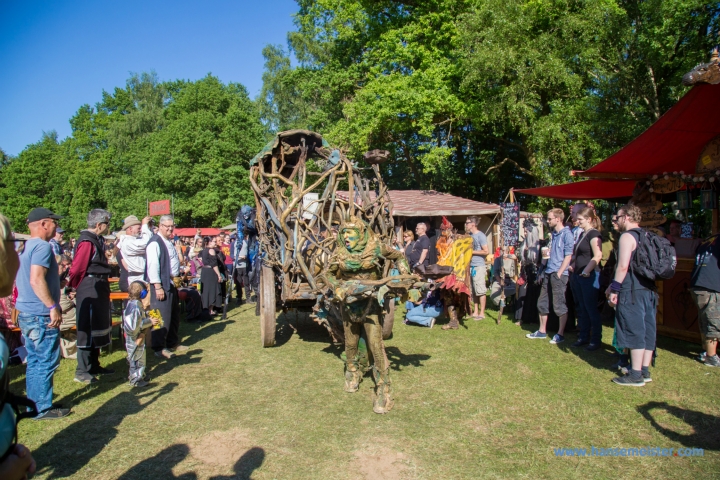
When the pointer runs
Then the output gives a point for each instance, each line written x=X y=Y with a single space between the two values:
x=454 y=324
x=383 y=401
x=353 y=376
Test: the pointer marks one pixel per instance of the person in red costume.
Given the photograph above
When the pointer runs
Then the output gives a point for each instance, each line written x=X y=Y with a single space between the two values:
x=89 y=277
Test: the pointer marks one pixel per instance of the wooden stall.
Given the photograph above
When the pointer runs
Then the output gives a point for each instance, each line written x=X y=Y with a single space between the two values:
x=413 y=206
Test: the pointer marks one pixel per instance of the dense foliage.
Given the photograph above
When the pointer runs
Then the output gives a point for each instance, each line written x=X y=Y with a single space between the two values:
x=147 y=141
x=471 y=97
x=475 y=97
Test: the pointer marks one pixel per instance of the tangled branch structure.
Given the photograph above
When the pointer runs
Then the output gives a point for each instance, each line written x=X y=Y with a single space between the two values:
x=298 y=209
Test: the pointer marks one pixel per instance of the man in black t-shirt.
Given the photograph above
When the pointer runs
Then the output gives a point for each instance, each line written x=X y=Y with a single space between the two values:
x=705 y=282
x=419 y=254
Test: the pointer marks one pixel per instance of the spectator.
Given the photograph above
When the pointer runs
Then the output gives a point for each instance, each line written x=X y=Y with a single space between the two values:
x=408 y=244
x=528 y=290
x=574 y=226
x=68 y=336
x=18 y=461
x=196 y=248
x=585 y=281
x=9 y=264
x=477 y=267
x=73 y=242
x=241 y=273
x=163 y=271
x=675 y=228
x=419 y=254
x=38 y=301
x=427 y=311
x=135 y=324
x=504 y=268
x=132 y=247
x=211 y=277
x=555 y=277
x=122 y=265
x=635 y=302
x=57 y=241
x=705 y=289
x=226 y=248
x=89 y=276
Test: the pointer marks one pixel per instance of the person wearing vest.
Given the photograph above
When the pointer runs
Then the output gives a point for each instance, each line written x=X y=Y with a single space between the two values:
x=635 y=301
x=161 y=269
x=89 y=277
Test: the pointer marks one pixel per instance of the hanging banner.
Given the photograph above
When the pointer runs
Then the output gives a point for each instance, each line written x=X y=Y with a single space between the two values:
x=161 y=207
x=510 y=224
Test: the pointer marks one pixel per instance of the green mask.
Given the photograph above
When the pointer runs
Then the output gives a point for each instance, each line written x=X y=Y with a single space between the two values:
x=351 y=237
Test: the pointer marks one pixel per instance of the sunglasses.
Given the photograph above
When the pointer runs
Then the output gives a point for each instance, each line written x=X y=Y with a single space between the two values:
x=615 y=218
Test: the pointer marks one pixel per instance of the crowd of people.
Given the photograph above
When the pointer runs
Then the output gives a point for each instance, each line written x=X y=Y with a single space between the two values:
x=564 y=273
x=60 y=298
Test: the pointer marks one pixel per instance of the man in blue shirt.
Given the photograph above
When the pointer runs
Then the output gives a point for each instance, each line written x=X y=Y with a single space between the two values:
x=38 y=284
x=555 y=276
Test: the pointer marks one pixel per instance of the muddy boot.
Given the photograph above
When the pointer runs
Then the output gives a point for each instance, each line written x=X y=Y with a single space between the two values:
x=383 y=402
x=454 y=324
x=353 y=376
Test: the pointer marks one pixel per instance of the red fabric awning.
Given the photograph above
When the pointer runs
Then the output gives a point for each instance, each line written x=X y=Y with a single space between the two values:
x=585 y=190
x=190 y=232
x=671 y=144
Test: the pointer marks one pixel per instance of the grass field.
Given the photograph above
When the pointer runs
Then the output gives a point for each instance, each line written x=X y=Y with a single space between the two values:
x=479 y=402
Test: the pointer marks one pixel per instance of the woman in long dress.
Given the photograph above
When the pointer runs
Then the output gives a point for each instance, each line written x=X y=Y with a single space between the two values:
x=210 y=277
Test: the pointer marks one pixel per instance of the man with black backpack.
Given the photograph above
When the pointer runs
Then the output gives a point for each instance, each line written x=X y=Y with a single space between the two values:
x=642 y=257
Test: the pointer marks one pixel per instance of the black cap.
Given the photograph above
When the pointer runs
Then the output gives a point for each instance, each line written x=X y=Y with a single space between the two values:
x=41 y=214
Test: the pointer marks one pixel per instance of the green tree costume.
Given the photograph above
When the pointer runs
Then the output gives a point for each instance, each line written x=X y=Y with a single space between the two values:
x=355 y=268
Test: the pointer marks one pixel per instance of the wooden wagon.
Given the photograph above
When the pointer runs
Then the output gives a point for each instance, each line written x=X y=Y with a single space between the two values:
x=295 y=179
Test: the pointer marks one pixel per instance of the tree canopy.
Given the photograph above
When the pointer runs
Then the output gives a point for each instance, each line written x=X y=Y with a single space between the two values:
x=147 y=141
x=475 y=97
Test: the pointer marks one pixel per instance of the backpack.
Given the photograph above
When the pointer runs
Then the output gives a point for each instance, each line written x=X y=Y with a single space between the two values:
x=654 y=257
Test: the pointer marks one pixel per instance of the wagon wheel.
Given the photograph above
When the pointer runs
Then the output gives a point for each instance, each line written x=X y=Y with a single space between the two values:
x=389 y=318
x=267 y=306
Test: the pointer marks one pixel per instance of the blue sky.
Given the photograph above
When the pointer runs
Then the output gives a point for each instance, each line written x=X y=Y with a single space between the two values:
x=58 y=55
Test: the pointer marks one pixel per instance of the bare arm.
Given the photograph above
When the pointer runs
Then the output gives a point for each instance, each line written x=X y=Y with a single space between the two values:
x=42 y=291
x=597 y=255
x=627 y=247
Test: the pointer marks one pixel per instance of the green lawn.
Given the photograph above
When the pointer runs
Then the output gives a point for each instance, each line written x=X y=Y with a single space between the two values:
x=479 y=402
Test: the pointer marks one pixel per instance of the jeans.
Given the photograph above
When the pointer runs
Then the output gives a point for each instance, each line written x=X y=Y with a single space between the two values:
x=423 y=315
x=585 y=292
x=43 y=348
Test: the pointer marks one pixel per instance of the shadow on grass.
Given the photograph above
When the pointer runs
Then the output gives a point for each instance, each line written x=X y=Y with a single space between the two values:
x=705 y=426
x=72 y=448
x=161 y=465
x=197 y=332
x=398 y=359
x=300 y=323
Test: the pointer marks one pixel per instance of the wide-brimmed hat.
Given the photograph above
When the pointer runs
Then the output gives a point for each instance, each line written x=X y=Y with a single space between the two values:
x=129 y=222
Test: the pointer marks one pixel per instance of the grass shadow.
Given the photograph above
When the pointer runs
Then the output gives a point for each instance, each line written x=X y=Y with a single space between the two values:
x=705 y=427
x=300 y=323
x=161 y=465
x=398 y=359
x=72 y=448
x=197 y=332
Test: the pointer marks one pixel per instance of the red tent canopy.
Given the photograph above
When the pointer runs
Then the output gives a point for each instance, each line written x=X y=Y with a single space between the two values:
x=190 y=232
x=671 y=144
x=585 y=190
